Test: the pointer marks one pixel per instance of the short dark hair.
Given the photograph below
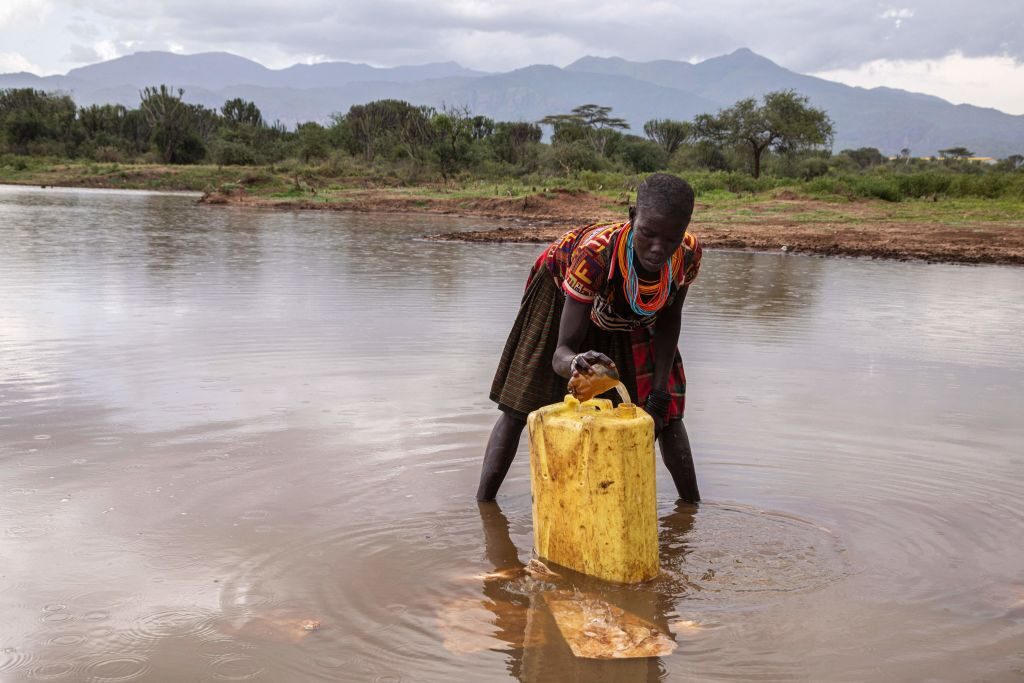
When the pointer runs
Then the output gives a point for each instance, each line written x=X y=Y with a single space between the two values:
x=665 y=195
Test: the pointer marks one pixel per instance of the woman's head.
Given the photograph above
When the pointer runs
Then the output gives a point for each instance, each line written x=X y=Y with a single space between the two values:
x=664 y=206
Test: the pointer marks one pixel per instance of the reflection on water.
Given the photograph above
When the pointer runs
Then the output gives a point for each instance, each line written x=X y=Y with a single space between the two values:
x=202 y=451
x=523 y=620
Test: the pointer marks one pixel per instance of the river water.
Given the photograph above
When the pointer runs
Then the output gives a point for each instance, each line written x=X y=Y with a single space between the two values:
x=218 y=426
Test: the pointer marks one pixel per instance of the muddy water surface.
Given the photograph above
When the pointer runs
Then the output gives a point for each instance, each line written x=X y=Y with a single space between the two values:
x=218 y=426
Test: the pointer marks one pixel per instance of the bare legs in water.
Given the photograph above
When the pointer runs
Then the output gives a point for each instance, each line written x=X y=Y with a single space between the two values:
x=501 y=450
x=504 y=440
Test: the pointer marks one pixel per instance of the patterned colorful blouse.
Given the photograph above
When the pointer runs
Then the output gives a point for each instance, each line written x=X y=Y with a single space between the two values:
x=584 y=265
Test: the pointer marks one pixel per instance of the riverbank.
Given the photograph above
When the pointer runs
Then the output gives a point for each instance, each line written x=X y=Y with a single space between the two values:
x=955 y=230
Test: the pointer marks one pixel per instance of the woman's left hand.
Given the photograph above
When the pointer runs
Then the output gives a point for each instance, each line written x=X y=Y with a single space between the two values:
x=659 y=424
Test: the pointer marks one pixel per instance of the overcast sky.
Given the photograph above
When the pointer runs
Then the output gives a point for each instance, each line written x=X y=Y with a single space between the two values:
x=962 y=51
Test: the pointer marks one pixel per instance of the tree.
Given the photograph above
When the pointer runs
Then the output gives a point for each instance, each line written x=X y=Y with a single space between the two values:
x=205 y=122
x=22 y=127
x=865 y=157
x=512 y=140
x=784 y=123
x=1014 y=162
x=593 y=121
x=394 y=121
x=29 y=117
x=454 y=130
x=102 y=119
x=956 y=153
x=313 y=142
x=642 y=156
x=170 y=123
x=239 y=112
x=483 y=127
x=669 y=134
x=366 y=123
x=414 y=132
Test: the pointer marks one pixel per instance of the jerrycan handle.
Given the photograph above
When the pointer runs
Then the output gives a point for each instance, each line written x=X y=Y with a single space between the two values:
x=593 y=405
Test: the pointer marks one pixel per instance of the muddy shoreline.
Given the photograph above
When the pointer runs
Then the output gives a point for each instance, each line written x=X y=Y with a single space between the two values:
x=863 y=229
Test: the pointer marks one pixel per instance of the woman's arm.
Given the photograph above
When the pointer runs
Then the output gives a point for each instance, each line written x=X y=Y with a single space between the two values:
x=572 y=328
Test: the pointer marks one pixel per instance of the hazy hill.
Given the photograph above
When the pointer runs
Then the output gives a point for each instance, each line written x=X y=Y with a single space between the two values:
x=878 y=117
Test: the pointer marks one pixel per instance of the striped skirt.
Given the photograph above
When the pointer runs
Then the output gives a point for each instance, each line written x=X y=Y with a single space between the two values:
x=525 y=381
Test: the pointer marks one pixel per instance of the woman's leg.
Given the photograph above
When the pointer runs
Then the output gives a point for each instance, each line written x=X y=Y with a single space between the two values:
x=678 y=458
x=501 y=449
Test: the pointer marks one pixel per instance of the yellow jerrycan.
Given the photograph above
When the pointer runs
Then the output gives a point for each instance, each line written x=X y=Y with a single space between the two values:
x=594 y=498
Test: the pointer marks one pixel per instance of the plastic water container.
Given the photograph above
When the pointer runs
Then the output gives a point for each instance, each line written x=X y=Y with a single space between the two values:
x=594 y=497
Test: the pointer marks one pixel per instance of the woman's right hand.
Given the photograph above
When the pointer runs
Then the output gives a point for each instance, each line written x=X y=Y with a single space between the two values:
x=599 y=376
x=583 y=363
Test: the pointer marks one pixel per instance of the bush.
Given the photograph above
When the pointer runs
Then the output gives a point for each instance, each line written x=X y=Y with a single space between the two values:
x=226 y=153
x=927 y=184
x=574 y=157
x=597 y=181
x=702 y=156
x=807 y=169
x=45 y=147
x=108 y=154
x=829 y=186
x=641 y=156
x=736 y=182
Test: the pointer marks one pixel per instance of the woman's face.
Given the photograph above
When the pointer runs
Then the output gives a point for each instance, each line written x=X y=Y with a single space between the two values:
x=656 y=238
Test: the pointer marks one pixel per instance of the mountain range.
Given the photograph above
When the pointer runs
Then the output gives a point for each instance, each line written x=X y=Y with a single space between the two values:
x=885 y=118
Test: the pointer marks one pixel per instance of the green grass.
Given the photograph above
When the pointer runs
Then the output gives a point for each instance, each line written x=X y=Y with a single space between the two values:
x=959 y=210
x=931 y=196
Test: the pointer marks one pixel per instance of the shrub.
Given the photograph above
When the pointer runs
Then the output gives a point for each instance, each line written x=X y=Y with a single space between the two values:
x=227 y=153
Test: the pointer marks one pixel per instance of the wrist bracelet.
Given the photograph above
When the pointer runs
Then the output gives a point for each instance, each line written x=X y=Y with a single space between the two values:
x=658 y=402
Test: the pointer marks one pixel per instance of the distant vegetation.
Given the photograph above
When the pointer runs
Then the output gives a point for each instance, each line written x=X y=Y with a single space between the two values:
x=749 y=147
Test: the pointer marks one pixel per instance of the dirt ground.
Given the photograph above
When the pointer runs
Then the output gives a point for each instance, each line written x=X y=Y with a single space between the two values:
x=785 y=222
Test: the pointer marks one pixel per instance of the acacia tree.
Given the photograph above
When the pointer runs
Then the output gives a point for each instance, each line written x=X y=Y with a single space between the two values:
x=956 y=153
x=594 y=122
x=668 y=134
x=784 y=123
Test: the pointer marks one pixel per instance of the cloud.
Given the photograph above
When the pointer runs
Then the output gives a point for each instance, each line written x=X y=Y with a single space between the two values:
x=13 y=62
x=502 y=34
x=82 y=54
x=103 y=50
x=498 y=35
x=23 y=11
x=897 y=15
x=985 y=81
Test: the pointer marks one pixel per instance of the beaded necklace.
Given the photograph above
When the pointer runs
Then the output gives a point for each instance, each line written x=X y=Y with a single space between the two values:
x=655 y=294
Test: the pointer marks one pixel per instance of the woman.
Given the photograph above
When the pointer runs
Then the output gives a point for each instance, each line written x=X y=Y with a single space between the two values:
x=615 y=294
